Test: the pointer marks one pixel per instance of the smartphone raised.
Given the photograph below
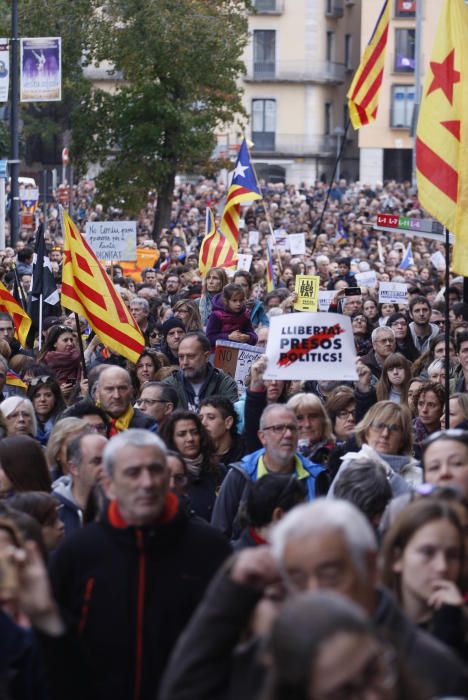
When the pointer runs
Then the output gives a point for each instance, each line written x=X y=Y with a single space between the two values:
x=352 y=291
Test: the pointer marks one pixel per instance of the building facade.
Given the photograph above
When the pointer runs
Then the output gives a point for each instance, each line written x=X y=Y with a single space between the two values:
x=386 y=146
x=300 y=61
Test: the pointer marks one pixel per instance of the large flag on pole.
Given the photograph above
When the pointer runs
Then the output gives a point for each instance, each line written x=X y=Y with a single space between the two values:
x=43 y=283
x=244 y=188
x=407 y=258
x=87 y=290
x=215 y=250
x=442 y=133
x=363 y=95
x=21 y=320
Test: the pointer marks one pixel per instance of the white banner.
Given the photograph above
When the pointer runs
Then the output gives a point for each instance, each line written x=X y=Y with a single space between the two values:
x=393 y=293
x=4 y=70
x=311 y=346
x=366 y=279
x=112 y=240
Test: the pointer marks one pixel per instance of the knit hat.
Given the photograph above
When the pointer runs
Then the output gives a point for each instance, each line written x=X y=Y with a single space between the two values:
x=171 y=323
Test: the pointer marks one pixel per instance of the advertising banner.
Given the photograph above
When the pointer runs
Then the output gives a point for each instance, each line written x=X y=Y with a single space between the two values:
x=41 y=70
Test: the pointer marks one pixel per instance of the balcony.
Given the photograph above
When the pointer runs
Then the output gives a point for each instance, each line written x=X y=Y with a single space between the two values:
x=268 y=7
x=324 y=72
x=334 y=9
x=293 y=145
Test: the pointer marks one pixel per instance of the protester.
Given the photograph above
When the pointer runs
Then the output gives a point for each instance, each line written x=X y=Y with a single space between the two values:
x=147 y=366
x=19 y=416
x=113 y=393
x=44 y=508
x=173 y=330
x=229 y=318
x=445 y=459
x=458 y=412
x=22 y=466
x=394 y=380
x=429 y=404
x=61 y=355
x=219 y=418
x=157 y=400
x=188 y=312
x=46 y=397
x=213 y=284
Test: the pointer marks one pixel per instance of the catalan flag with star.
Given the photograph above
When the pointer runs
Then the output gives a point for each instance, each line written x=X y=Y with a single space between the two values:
x=21 y=320
x=364 y=92
x=87 y=290
x=442 y=132
x=215 y=250
x=244 y=188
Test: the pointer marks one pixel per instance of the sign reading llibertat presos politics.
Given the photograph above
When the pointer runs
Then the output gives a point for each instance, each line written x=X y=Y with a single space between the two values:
x=41 y=69
x=311 y=346
x=112 y=241
x=4 y=70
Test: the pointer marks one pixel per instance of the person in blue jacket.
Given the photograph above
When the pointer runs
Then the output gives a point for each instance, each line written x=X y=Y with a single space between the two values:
x=278 y=434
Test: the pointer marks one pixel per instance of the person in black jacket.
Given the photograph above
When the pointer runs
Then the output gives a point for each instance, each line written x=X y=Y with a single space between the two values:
x=127 y=585
x=113 y=393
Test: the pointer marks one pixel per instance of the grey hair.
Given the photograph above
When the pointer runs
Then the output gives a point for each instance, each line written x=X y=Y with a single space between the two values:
x=10 y=405
x=379 y=330
x=322 y=515
x=273 y=407
x=74 y=449
x=141 y=302
x=436 y=365
x=135 y=437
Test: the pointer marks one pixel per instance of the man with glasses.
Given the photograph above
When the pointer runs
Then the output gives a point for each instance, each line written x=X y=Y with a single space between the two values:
x=278 y=434
x=157 y=400
x=383 y=345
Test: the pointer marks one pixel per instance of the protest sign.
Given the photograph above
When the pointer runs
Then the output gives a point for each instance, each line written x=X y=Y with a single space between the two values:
x=41 y=69
x=253 y=238
x=438 y=260
x=145 y=257
x=244 y=261
x=311 y=346
x=366 y=279
x=4 y=70
x=280 y=240
x=307 y=289
x=393 y=293
x=325 y=298
x=235 y=359
x=297 y=244
x=112 y=240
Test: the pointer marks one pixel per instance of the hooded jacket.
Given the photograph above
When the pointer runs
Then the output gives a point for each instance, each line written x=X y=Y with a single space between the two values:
x=234 y=490
x=126 y=593
x=70 y=514
x=222 y=322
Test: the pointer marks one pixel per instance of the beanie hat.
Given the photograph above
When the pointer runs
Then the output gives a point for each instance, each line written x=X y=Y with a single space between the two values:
x=171 y=323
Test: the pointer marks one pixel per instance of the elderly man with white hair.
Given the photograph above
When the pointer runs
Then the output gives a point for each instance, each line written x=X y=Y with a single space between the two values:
x=383 y=345
x=323 y=545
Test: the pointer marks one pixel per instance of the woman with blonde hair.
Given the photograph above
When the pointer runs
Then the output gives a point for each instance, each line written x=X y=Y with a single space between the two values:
x=213 y=284
x=458 y=412
x=315 y=428
x=61 y=434
x=189 y=313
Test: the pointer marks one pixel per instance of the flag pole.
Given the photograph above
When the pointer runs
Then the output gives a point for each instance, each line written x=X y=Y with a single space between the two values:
x=447 y=329
x=20 y=289
x=272 y=234
x=39 y=340
x=80 y=343
x=332 y=179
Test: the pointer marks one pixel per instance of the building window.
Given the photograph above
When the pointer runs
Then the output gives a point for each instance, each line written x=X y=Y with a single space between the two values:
x=405 y=8
x=264 y=124
x=264 y=53
x=327 y=119
x=402 y=106
x=265 y=5
x=329 y=46
x=404 y=50
x=348 y=46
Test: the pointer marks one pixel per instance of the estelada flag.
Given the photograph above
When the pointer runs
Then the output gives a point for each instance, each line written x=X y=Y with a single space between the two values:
x=442 y=133
x=21 y=320
x=215 y=250
x=363 y=94
x=87 y=290
x=244 y=188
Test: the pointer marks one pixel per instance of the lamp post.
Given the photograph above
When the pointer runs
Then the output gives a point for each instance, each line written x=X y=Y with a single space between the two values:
x=14 y=161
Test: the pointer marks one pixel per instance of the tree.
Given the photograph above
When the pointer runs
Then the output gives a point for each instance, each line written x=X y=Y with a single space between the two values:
x=179 y=64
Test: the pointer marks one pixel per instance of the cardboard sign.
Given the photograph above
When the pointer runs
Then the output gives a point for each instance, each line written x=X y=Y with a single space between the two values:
x=145 y=257
x=236 y=359
x=311 y=346
x=307 y=290
x=112 y=240
x=244 y=261
x=325 y=298
x=297 y=244
x=393 y=293
x=366 y=279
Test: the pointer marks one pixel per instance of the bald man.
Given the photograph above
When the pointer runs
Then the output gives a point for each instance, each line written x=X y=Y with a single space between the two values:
x=114 y=394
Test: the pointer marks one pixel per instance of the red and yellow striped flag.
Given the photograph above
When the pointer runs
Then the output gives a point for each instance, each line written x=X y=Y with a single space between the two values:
x=215 y=251
x=244 y=188
x=87 y=290
x=442 y=133
x=363 y=95
x=21 y=320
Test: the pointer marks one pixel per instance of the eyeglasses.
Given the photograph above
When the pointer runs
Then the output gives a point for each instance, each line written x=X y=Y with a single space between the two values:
x=149 y=402
x=392 y=427
x=43 y=379
x=281 y=429
x=346 y=414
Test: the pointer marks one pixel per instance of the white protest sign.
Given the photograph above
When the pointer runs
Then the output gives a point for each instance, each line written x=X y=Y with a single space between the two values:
x=297 y=244
x=244 y=261
x=280 y=239
x=235 y=359
x=311 y=346
x=112 y=240
x=438 y=260
x=253 y=237
x=325 y=298
x=393 y=293
x=366 y=279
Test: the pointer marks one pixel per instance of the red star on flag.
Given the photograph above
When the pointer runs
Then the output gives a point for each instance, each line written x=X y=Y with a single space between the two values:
x=445 y=76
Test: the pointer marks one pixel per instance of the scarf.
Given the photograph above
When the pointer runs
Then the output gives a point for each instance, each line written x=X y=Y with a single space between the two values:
x=121 y=423
x=194 y=466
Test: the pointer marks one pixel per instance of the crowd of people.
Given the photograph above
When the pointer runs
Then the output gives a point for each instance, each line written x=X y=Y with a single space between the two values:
x=167 y=532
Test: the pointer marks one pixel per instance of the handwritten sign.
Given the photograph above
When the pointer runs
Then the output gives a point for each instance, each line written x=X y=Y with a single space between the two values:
x=112 y=240
x=236 y=359
x=307 y=290
x=297 y=244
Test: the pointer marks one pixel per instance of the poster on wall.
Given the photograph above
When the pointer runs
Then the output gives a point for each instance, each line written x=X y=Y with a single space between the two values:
x=4 y=70
x=41 y=70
